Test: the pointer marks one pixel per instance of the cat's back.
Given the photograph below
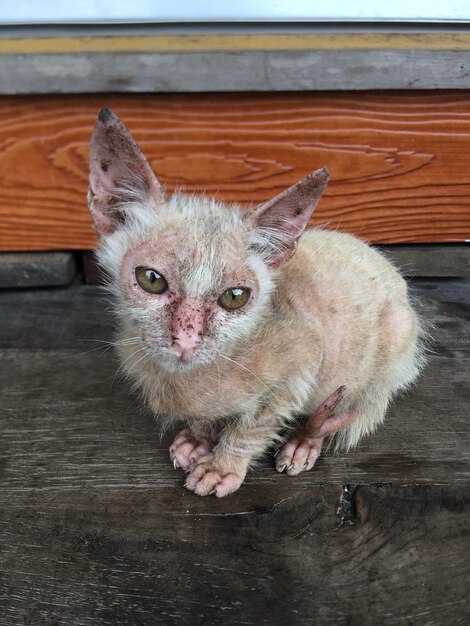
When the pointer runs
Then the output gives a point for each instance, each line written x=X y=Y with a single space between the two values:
x=356 y=295
x=357 y=298
x=336 y=264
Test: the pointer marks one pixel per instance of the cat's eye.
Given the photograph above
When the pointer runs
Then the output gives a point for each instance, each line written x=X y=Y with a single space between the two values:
x=234 y=298
x=150 y=280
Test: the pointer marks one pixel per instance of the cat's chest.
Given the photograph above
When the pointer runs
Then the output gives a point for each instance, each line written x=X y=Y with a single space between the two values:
x=213 y=393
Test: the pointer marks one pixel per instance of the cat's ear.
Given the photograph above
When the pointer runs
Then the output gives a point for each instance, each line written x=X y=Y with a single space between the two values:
x=119 y=174
x=278 y=223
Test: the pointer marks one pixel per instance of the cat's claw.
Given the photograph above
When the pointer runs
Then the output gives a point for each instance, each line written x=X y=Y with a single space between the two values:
x=302 y=449
x=186 y=450
x=299 y=454
x=206 y=478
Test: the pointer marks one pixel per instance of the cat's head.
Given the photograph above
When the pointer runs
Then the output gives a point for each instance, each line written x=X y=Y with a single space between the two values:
x=191 y=277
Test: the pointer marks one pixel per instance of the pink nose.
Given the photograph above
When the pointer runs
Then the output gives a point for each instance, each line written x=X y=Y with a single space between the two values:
x=187 y=327
x=184 y=349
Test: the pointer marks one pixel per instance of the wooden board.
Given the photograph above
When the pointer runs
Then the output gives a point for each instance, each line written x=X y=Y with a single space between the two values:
x=118 y=555
x=122 y=38
x=413 y=260
x=36 y=269
x=58 y=374
x=238 y=57
x=399 y=162
x=96 y=528
x=433 y=260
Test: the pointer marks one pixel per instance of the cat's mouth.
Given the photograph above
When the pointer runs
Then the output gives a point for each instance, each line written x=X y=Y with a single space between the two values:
x=179 y=359
x=183 y=354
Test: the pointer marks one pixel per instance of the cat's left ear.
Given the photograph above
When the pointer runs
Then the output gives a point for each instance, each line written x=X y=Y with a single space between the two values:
x=278 y=223
x=119 y=174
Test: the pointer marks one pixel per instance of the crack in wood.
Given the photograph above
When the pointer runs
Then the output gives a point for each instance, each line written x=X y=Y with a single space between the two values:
x=347 y=510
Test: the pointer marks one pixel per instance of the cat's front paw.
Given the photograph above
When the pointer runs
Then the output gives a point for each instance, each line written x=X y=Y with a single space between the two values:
x=186 y=449
x=207 y=477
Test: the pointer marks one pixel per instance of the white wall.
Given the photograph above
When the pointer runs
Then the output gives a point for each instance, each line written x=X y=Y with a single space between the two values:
x=67 y=11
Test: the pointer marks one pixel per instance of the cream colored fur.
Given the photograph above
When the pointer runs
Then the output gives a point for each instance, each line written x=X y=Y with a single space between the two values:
x=332 y=313
x=339 y=314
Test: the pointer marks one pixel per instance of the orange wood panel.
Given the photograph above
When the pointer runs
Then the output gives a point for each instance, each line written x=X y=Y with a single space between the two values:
x=400 y=162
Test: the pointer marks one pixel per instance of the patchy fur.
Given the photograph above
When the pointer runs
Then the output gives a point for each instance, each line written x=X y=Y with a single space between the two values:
x=325 y=311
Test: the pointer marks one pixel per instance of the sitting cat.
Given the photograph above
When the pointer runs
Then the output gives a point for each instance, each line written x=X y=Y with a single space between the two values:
x=238 y=322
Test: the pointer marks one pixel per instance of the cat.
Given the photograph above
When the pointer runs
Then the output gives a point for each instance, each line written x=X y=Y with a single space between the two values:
x=239 y=322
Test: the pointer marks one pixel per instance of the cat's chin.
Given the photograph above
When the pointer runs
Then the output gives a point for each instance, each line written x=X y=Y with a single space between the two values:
x=177 y=365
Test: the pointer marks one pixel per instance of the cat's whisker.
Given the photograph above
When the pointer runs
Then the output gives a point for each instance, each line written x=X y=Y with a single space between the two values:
x=137 y=337
x=102 y=348
x=146 y=355
x=224 y=356
x=134 y=342
x=97 y=340
x=114 y=343
x=218 y=375
x=133 y=354
x=107 y=345
x=123 y=364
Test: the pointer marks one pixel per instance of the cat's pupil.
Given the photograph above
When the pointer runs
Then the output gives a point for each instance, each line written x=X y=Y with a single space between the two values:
x=234 y=298
x=150 y=280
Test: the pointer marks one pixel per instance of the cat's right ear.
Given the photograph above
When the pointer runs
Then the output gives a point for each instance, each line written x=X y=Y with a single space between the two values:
x=278 y=223
x=119 y=174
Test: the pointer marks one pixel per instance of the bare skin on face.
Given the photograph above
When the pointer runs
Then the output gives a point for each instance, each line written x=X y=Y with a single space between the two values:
x=188 y=326
x=326 y=328
x=184 y=329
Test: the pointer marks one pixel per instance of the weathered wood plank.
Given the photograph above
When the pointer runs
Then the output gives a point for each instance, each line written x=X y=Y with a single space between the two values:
x=78 y=317
x=444 y=306
x=126 y=560
x=36 y=269
x=66 y=416
x=399 y=162
x=97 y=529
x=422 y=441
x=222 y=71
x=431 y=260
x=80 y=395
x=413 y=260
x=74 y=317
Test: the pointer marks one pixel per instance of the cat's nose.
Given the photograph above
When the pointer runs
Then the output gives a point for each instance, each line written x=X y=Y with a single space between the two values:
x=187 y=327
x=185 y=354
x=185 y=346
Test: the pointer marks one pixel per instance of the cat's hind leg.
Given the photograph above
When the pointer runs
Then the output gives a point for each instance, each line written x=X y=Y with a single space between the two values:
x=400 y=328
x=191 y=444
x=361 y=418
x=303 y=447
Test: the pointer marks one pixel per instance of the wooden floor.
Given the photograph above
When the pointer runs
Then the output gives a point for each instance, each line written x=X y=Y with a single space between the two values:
x=96 y=527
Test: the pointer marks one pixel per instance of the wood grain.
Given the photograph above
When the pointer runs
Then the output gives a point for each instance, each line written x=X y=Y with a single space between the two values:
x=322 y=68
x=120 y=556
x=37 y=269
x=96 y=528
x=399 y=162
x=413 y=260
x=432 y=260
x=58 y=375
